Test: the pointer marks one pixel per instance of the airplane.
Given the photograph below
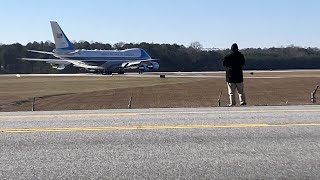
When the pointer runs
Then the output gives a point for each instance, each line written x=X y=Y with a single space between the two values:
x=104 y=61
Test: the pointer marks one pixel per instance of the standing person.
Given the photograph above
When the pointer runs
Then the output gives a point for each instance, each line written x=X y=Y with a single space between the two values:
x=234 y=75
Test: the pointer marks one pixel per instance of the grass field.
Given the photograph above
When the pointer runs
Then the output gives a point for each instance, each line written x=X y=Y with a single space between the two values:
x=104 y=92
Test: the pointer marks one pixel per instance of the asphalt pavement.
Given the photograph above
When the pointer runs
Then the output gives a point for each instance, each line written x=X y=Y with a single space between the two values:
x=187 y=143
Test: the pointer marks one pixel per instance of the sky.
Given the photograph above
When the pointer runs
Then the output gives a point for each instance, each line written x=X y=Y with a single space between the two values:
x=213 y=23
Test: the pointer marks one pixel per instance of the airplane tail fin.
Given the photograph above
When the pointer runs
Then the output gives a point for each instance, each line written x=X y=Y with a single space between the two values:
x=60 y=39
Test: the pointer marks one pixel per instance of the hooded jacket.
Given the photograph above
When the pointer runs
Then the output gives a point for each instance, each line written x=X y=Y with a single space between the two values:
x=234 y=63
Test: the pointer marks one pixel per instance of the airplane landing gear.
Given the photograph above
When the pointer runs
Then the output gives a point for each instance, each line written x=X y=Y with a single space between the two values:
x=106 y=72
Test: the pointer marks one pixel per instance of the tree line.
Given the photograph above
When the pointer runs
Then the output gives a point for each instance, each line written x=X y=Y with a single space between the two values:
x=173 y=57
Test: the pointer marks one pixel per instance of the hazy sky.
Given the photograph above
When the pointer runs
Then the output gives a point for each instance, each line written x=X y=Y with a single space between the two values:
x=214 y=23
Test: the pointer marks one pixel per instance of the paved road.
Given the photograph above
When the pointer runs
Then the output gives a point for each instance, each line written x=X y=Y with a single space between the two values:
x=200 y=143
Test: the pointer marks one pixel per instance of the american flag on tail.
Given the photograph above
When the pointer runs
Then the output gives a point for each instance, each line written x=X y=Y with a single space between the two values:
x=59 y=35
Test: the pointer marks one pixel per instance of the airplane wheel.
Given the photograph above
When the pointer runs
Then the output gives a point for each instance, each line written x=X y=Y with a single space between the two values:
x=107 y=72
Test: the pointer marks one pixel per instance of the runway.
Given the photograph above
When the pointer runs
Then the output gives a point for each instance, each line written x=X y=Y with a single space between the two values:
x=248 y=74
x=184 y=143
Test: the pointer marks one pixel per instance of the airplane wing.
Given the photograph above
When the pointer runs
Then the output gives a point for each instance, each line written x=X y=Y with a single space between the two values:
x=50 y=61
x=135 y=63
x=84 y=65
x=51 y=53
x=41 y=52
x=148 y=60
x=65 y=62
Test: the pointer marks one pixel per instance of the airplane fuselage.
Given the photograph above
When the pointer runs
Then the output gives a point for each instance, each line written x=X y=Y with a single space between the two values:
x=105 y=55
x=109 y=59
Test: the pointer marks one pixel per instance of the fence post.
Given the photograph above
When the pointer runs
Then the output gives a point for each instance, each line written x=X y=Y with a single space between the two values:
x=33 y=104
x=130 y=101
x=219 y=99
x=313 y=93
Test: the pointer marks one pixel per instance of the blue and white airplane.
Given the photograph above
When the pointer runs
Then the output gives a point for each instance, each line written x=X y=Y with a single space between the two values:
x=105 y=61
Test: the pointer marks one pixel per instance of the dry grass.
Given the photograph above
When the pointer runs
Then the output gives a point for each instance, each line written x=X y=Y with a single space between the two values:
x=62 y=93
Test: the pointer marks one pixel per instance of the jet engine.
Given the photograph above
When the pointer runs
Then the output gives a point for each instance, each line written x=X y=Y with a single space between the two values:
x=58 y=66
x=151 y=66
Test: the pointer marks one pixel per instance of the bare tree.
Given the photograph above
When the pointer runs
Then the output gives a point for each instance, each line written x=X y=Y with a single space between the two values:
x=196 y=45
x=119 y=45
